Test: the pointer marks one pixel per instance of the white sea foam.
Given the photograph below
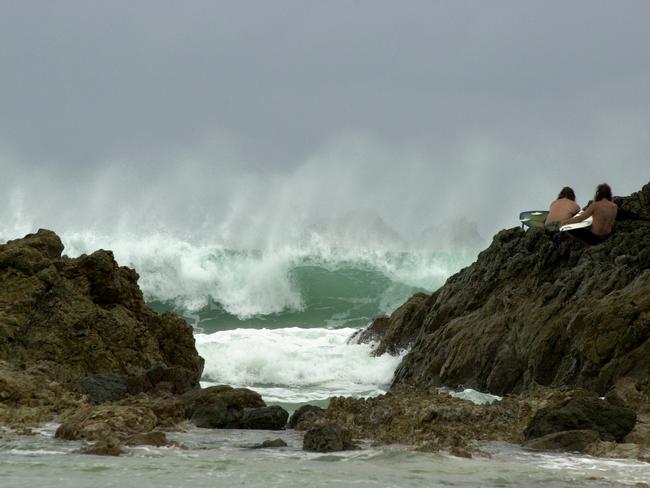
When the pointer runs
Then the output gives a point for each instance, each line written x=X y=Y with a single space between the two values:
x=294 y=364
x=473 y=396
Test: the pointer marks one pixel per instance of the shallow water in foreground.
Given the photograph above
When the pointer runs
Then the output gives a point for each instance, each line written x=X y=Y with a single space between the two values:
x=216 y=458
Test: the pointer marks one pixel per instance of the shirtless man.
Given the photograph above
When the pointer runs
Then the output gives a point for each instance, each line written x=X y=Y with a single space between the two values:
x=563 y=208
x=603 y=211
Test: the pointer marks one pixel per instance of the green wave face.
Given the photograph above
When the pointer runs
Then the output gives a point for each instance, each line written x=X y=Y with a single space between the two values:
x=315 y=292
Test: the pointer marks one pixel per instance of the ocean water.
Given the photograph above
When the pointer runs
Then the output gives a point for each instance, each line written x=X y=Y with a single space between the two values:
x=221 y=459
x=277 y=321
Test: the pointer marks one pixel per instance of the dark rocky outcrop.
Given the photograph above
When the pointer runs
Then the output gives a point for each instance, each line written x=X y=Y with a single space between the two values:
x=87 y=316
x=612 y=422
x=328 y=438
x=105 y=387
x=532 y=312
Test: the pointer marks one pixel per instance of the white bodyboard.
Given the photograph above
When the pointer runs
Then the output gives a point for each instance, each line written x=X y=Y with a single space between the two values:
x=580 y=225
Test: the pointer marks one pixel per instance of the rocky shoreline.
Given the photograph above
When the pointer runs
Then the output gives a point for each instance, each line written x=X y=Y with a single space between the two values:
x=560 y=331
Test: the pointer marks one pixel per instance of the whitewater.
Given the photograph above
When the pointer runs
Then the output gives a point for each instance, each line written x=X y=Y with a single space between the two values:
x=278 y=320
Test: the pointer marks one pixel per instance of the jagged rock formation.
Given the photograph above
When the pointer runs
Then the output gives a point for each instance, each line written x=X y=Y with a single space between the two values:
x=84 y=316
x=529 y=312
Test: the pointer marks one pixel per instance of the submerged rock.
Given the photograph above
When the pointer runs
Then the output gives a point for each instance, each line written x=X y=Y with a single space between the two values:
x=154 y=438
x=268 y=444
x=568 y=440
x=108 y=446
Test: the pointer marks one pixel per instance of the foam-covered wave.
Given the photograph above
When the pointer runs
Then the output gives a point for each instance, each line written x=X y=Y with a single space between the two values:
x=308 y=284
x=293 y=364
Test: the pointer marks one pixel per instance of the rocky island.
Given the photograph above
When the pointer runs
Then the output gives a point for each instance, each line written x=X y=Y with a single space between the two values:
x=559 y=331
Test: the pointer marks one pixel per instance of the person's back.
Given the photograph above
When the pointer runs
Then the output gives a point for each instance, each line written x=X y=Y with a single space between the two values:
x=561 y=209
x=604 y=215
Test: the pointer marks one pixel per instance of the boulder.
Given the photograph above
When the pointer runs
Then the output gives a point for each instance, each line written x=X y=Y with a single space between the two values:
x=305 y=417
x=267 y=418
x=612 y=422
x=327 y=438
x=219 y=406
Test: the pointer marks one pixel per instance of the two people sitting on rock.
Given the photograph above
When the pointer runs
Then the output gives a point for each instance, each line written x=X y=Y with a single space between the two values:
x=561 y=209
x=603 y=212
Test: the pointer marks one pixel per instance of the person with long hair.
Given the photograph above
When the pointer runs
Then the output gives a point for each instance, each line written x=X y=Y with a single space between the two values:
x=564 y=207
x=603 y=211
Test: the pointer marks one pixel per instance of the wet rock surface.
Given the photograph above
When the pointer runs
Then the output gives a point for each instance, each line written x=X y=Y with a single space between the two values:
x=611 y=422
x=267 y=418
x=568 y=440
x=269 y=444
x=532 y=312
x=305 y=417
x=86 y=315
x=330 y=437
x=220 y=406
x=104 y=387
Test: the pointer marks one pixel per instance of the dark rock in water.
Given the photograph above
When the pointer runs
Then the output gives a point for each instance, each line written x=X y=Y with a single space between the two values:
x=154 y=438
x=328 y=438
x=86 y=315
x=395 y=333
x=219 y=406
x=568 y=440
x=104 y=387
x=532 y=312
x=305 y=417
x=97 y=423
x=214 y=417
x=268 y=418
x=269 y=443
x=109 y=446
x=611 y=422
x=373 y=333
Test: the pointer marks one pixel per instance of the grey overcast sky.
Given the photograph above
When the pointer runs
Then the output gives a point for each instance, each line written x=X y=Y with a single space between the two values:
x=418 y=110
